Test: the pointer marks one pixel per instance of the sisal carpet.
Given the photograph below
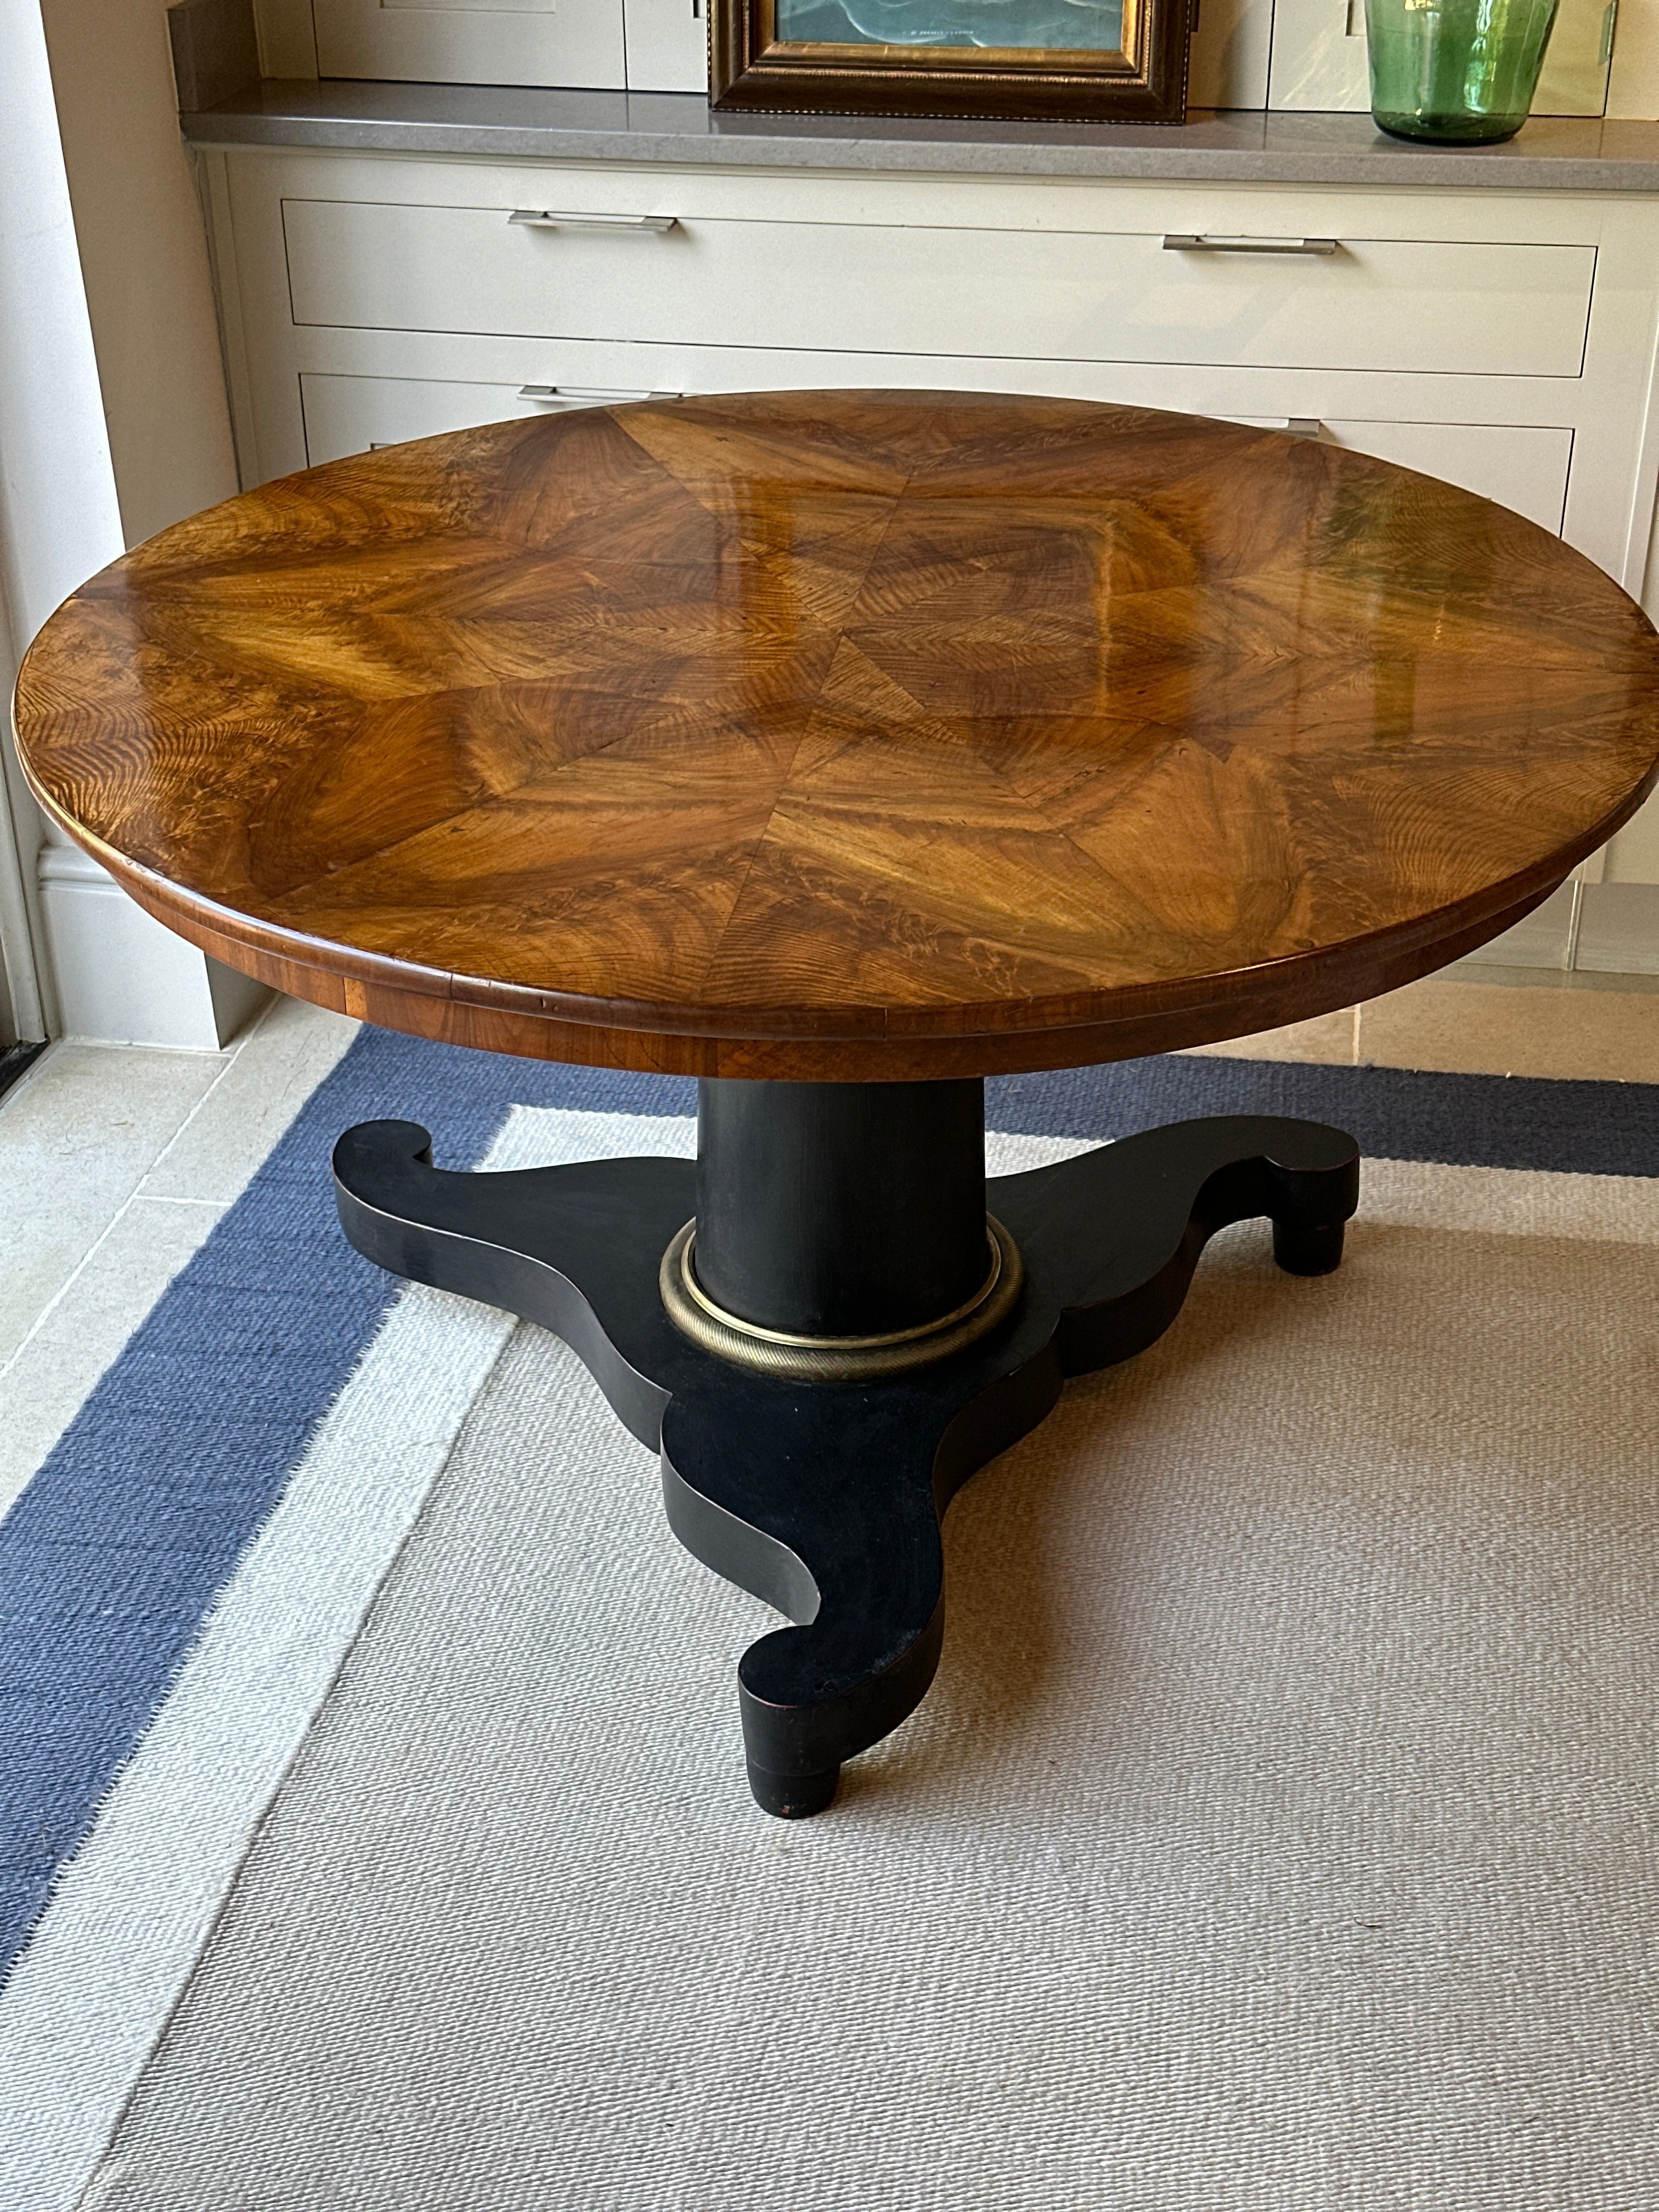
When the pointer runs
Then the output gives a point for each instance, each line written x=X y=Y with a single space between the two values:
x=1279 y=1834
x=1280 y=1831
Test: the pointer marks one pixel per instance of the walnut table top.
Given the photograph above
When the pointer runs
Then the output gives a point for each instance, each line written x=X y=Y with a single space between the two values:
x=844 y=735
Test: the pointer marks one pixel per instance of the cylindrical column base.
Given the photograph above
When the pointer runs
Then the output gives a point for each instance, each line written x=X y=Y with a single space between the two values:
x=840 y=1230
x=841 y=1209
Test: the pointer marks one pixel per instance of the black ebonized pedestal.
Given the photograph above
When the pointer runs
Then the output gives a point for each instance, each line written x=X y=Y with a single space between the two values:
x=860 y=1342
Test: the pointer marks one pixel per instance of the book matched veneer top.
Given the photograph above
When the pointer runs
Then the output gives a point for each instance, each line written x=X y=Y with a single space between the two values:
x=844 y=734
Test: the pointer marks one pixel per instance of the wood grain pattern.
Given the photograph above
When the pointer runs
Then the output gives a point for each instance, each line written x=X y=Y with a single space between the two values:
x=856 y=735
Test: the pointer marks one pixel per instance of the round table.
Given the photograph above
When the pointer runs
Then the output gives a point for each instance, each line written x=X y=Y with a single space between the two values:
x=840 y=749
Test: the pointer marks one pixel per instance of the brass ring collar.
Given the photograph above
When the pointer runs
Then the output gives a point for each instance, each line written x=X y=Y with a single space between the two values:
x=836 y=1359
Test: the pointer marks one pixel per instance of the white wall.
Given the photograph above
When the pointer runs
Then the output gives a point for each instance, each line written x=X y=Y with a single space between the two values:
x=144 y=258
x=60 y=519
x=113 y=421
x=21 y=1011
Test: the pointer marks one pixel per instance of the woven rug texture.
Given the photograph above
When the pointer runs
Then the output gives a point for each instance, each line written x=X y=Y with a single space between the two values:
x=1279 y=1832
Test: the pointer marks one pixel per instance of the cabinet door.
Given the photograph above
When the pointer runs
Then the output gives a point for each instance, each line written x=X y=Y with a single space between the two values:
x=667 y=44
x=1320 y=60
x=565 y=42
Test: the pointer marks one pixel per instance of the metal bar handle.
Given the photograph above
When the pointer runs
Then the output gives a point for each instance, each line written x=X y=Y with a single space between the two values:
x=1196 y=242
x=582 y=395
x=555 y=219
x=1293 y=426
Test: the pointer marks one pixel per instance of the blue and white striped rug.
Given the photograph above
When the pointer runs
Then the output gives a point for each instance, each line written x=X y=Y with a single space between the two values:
x=181 y=1580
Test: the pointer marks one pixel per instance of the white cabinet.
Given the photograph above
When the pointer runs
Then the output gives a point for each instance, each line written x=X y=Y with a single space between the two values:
x=1307 y=54
x=1319 y=57
x=667 y=44
x=1504 y=342
x=573 y=42
x=1467 y=308
x=1523 y=468
x=357 y=414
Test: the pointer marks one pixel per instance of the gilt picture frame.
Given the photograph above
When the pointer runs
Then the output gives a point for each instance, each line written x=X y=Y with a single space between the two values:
x=1071 y=61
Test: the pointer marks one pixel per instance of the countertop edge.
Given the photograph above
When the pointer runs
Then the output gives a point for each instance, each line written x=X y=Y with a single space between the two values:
x=1166 y=155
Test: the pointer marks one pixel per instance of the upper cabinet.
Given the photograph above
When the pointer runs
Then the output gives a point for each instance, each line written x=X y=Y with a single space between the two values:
x=1294 y=54
x=1318 y=56
x=644 y=45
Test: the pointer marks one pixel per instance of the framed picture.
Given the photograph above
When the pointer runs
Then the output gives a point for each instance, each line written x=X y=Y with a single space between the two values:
x=1071 y=61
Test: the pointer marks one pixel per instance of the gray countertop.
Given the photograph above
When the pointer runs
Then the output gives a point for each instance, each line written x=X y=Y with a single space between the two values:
x=1550 y=154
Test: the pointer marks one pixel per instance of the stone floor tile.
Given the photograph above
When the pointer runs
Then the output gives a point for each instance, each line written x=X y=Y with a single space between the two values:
x=1495 y=1028
x=275 y=1071
x=1328 y=1037
x=77 y=1135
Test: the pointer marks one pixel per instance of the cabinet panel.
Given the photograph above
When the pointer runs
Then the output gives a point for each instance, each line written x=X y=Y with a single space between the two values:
x=1319 y=58
x=563 y=42
x=667 y=44
x=1232 y=46
x=1387 y=304
x=1524 y=468
x=354 y=414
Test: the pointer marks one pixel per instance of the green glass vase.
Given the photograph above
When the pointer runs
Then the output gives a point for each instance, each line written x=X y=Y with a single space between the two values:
x=1461 y=72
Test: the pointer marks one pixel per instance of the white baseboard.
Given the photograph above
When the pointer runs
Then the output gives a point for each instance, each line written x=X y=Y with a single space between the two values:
x=122 y=977
x=1618 y=931
x=1544 y=940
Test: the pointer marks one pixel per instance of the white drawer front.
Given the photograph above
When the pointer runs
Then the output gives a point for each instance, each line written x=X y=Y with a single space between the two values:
x=1435 y=305
x=1525 y=469
x=354 y=414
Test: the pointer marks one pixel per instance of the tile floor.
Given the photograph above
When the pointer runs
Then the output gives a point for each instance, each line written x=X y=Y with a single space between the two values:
x=116 y=1161
x=1531 y=1022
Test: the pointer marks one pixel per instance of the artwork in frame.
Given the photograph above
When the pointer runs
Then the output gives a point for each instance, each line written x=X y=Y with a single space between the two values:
x=1072 y=61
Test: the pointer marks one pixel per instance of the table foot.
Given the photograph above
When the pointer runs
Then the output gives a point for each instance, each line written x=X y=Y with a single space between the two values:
x=793 y=1797
x=1303 y=1251
x=825 y=1498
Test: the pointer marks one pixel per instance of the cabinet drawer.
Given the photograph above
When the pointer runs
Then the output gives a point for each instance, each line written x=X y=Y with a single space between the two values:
x=1519 y=467
x=1387 y=304
x=354 y=414
x=1523 y=468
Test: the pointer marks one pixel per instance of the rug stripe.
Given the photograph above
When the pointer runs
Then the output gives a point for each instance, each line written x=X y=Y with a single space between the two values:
x=1396 y=1113
x=112 y=1557
x=116 y=1550
x=93 y=1990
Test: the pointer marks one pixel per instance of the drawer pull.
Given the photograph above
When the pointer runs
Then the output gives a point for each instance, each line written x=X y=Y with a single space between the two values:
x=637 y=226
x=580 y=395
x=1292 y=426
x=1196 y=242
